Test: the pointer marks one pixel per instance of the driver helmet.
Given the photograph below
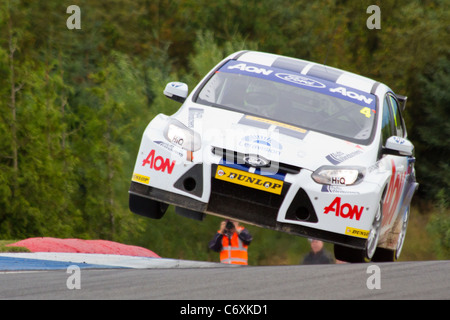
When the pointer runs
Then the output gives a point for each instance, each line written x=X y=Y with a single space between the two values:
x=261 y=95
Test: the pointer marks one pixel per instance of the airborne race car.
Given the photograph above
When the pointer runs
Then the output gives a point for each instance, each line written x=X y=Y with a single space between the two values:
x=284 y=144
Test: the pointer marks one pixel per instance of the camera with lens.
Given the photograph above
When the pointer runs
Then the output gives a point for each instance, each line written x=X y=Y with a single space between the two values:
x=229 y=225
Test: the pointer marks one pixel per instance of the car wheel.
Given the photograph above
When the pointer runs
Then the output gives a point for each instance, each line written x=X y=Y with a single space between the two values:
x=191 y=214
x=354 y=255
x=147 y=207
x=402 y=235
x=387 y=255
x=347 y=254
x=374 y=235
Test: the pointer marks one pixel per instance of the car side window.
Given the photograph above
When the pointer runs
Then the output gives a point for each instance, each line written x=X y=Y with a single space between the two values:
x=386 y=125
x=397 y=117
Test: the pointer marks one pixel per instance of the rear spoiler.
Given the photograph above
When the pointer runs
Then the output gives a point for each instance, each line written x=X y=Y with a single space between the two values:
x=402 y=101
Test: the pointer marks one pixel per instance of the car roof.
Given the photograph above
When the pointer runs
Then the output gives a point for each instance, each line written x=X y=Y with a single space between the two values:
x=308 y=68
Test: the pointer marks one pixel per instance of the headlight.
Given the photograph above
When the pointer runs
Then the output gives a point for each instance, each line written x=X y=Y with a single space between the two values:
x=182 y=136
x=338 y=175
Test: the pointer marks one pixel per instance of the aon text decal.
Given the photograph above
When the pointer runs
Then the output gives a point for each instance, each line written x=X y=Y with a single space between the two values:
x=344 y=210
x=158 y=163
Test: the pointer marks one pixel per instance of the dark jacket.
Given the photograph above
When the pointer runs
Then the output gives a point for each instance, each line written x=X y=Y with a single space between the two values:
x=321 y=257
x=216 y=242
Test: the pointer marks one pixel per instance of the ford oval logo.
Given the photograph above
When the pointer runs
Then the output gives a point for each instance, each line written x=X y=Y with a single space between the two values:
x=301 y=80
x=256 y=161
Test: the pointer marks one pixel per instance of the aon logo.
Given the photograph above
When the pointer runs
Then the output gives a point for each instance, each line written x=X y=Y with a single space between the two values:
x=344 y=210
x=352 y=95
x=253 y=69
x=158 y=163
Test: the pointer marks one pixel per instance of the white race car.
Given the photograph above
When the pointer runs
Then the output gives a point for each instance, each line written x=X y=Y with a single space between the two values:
x=284 y=144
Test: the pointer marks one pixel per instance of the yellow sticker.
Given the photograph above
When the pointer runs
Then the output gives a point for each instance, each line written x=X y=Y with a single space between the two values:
x=140 y=178
x=248 y=179
x=357 y=232
x=276 y=123
x=366 y=111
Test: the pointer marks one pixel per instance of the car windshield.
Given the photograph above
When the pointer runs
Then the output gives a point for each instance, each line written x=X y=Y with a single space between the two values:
x=291 y=98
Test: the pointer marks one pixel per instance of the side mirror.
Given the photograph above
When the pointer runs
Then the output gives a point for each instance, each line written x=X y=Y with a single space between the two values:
x=398 y=146
x=402 y=100
x=177 y=91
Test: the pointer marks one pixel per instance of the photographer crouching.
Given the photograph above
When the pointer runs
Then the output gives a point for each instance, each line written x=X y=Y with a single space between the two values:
x=232 y=242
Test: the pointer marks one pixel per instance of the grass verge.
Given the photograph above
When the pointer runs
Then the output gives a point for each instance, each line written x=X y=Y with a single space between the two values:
x=5 y=248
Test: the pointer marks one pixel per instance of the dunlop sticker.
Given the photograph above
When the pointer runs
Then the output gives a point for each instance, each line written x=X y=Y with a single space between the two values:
x=140 y=178
x=248 y=179
x=357 y=232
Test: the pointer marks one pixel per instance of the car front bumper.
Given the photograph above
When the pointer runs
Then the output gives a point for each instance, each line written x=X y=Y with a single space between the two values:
x=301 y=207
x=288 y=200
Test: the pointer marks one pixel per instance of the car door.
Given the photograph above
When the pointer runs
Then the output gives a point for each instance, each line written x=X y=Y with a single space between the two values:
x=395 y=199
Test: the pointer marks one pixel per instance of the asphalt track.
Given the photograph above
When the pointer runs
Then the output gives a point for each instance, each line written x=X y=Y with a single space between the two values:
x=165 y=279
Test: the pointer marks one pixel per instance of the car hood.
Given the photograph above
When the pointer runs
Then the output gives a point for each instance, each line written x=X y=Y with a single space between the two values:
x=276 y=141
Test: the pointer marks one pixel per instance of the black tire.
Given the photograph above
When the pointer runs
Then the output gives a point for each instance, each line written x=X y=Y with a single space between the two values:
x=191 y=214
x=384 y=255
x=348 y=254
x=387 y=255
x=374 y=234
x=147 y=207
x=354 y=255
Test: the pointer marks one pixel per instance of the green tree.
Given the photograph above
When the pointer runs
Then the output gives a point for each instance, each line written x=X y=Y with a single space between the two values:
x=432 y=133
x=105 y=143
x=36 y=167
